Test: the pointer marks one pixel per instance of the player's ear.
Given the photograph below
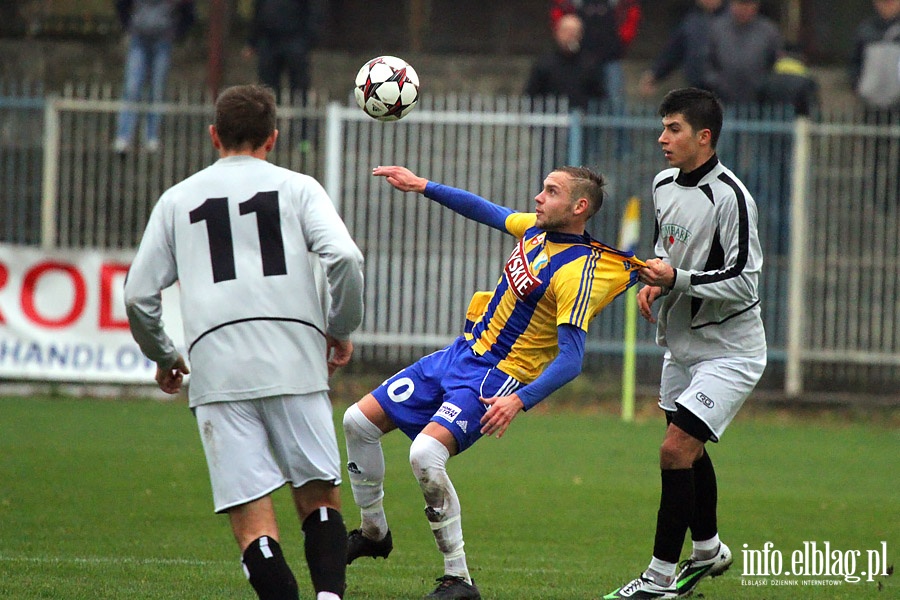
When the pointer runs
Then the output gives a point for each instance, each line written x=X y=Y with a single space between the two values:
x=214 y=136
x=269 y=144
x=581 y=205
x=704 y=136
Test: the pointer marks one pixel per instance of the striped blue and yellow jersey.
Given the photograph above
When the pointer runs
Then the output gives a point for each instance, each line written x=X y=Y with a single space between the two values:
x=550 y=279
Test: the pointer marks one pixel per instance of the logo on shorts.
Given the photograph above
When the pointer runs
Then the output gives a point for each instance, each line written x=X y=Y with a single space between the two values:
x=463 y=425
x=448 y=412
x=706 y=400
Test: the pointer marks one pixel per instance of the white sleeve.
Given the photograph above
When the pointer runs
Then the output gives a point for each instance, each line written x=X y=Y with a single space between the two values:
x=327 y=236
x=152 y=270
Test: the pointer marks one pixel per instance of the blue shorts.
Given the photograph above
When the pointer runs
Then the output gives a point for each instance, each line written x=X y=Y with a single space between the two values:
x=445 y=387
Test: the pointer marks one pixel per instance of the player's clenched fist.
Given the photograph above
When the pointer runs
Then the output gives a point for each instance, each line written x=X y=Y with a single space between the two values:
x=657 y=273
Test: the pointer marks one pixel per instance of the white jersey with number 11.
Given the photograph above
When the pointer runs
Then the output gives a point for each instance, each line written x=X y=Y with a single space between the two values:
x=238 y=238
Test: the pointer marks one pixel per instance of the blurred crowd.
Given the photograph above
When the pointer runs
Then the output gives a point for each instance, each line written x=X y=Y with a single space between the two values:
x=593 y=36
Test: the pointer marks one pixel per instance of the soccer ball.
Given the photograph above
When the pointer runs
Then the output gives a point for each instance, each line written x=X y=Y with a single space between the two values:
x=387 y=88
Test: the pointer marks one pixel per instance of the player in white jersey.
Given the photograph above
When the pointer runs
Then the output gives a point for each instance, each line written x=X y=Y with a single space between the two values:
x=239 y=238
x=706 y=275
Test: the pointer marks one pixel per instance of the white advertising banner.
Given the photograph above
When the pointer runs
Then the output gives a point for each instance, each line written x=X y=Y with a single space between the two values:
x=62 y=317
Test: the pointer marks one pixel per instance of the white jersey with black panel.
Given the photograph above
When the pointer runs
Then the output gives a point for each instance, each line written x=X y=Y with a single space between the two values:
x=706 y=228
x=239 y=237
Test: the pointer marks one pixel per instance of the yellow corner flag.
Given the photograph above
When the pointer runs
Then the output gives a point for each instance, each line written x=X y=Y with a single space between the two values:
x=628 y=240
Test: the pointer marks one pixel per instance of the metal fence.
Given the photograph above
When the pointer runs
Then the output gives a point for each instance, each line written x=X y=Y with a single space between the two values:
x=827 y=191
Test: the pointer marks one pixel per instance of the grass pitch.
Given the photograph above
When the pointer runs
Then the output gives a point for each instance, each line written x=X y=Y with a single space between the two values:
x=104 y=499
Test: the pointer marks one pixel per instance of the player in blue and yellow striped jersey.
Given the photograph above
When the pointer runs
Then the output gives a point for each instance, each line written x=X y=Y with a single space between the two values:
x=522 y=341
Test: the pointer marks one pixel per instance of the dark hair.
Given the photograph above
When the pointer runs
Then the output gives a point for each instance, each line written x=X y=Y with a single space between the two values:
x=586 y=184
x=700 y=108
x=245 y=116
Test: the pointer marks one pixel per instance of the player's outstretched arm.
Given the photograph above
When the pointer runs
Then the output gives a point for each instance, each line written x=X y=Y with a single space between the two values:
x=401 y=178
x=465 y=203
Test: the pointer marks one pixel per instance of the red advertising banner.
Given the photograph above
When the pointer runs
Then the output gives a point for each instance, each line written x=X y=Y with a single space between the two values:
x=62 y=317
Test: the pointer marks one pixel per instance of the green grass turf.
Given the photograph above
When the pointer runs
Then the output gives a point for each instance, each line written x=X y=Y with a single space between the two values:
x=104 y=499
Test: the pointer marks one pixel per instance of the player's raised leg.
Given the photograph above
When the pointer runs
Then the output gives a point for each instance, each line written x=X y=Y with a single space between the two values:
x=364 y=424
x=428 y=457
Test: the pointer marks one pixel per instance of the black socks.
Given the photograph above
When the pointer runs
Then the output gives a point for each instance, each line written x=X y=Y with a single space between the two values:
x=704 y=524
x=326 y=550
x=268 y=572
x=326 y=556
x=676 y=512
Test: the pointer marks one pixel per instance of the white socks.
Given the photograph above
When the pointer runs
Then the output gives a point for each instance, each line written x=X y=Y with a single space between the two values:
x=661 y=572
x=706 y=549
x=428 y=459
x=365 y=463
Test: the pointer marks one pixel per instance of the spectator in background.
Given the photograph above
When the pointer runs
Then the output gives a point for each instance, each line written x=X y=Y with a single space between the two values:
x=881 y=109
x=743 y=48
x=687 y=47
x=791 y=83
x=282 y=35
x=610 y=27
x=151 y=26
x=564 y=71
x=882 y=26
x=789 y=90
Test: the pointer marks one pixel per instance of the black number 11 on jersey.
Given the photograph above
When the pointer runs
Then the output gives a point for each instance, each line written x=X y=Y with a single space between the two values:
x=221 y=243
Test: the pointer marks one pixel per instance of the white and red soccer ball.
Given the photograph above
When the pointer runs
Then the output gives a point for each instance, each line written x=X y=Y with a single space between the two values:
x=387 y=88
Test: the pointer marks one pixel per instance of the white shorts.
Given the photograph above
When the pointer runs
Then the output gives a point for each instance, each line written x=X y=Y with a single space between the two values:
x=712 y=390
x=253 y=447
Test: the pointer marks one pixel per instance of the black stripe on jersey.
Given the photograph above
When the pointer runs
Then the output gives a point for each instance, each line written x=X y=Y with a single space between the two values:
x=743 y=239
x=728 y=318
x=708 y=191
x=662 y=182
x=236 y=321
x=714 y=262
x=665 y=181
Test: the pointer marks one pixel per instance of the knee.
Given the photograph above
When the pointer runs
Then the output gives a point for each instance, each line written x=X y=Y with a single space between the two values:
x=674 y=455
x=355 y=425
x=349 y=422
x=668 y=454
x=314 y=495
x=427 y=455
